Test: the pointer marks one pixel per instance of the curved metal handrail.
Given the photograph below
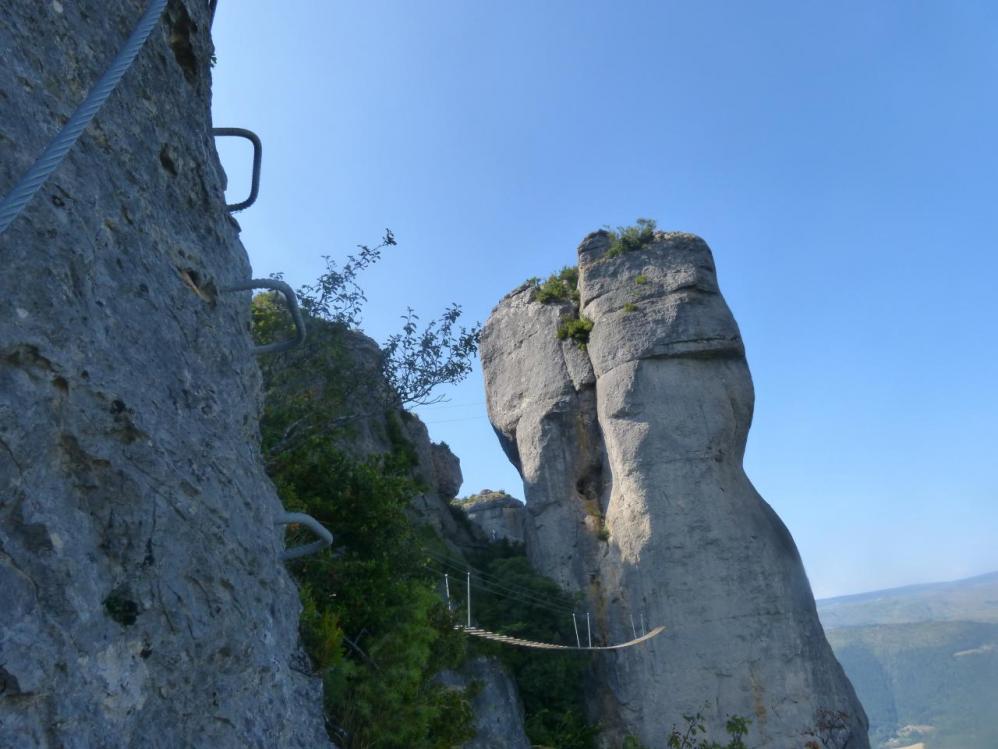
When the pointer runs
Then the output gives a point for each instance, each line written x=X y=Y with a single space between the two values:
x=241 y=132
x=325 y=537
x=289 y=299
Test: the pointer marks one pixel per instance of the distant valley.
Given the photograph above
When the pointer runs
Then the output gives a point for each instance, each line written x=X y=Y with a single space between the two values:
x=923 y=660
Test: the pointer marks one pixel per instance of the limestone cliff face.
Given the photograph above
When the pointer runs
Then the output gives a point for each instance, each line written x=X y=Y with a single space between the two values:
x=142 y=598
x=498 y=711
x=654 y=434
x=541 y=395
x=499 y=516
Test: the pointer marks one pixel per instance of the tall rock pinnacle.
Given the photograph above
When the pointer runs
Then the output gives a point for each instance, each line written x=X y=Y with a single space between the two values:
x=631 y=455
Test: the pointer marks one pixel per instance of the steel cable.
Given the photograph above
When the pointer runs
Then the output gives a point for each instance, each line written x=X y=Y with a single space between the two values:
x=498 y=582
x=492 y=579
x=21 y=194
x=519 y=595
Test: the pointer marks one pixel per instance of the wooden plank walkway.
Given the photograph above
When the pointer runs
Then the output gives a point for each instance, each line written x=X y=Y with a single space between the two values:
x=507 y=640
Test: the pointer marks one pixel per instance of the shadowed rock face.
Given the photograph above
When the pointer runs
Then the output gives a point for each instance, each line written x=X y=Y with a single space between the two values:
x=657 y=435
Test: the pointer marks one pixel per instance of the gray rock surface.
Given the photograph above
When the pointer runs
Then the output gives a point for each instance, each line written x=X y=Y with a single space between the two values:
x=541 y=400
x=142 y=598
x=683 y=538
x=446 y=470
x=496 y=706
x=498 y=515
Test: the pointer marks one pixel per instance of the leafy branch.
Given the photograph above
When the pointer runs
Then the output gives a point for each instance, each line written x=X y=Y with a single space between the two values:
x=416 y=361
x=336 y=296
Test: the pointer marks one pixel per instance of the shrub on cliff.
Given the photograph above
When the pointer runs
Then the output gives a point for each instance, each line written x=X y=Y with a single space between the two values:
x=410 y=366
x=562 y=286
x=575 y=329
x=372 y=622
x=630 y=238
x=415 y=361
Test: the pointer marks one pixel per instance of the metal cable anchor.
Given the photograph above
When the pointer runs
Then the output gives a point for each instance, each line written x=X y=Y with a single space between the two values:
x=241 y=132
x=325 y=537
x=289 y=299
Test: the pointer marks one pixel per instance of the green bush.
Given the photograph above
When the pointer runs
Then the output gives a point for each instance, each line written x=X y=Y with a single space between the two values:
x=372 y=621
x=630 y=238
x=576 y=329
x=562 y=286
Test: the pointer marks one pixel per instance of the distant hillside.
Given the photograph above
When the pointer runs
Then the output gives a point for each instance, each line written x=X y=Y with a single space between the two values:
x=974 y=599
x=923 y=660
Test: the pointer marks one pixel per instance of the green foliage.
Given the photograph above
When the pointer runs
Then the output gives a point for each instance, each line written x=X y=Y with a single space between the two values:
x=641 y=279
x=372 y=621
x=630 y=238
x=630 y=307
x=417 y=361
x=551 y=686
x=326 y=384
x=336 y=296
x=270 y=319
x=576 y=329
x=929 y=673
x=693 y=734
x=562 y=286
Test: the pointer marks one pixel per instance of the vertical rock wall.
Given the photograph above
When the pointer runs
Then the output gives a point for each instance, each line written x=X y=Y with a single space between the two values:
x=541 y=396
x=142 y=598
x=654 y=434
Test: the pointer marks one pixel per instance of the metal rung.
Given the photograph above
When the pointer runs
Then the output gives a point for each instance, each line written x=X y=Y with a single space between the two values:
x=241 y=132
x=292 y=303
x=325 y=537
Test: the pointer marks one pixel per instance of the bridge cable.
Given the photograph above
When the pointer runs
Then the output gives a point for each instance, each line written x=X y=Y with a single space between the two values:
x=492 y=585
x=497 y=582
x=520 y=595
x=488 y=587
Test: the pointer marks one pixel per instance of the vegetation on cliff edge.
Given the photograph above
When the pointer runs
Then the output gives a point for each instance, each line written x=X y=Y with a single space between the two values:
x=372 y=621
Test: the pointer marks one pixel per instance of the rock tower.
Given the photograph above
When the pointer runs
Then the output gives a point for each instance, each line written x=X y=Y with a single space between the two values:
x=630 y=448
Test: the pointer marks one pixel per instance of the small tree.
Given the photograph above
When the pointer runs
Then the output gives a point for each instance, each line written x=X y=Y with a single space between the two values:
x=417 y=361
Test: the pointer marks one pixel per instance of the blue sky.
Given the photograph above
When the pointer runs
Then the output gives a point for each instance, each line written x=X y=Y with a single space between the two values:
x=839 y=158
